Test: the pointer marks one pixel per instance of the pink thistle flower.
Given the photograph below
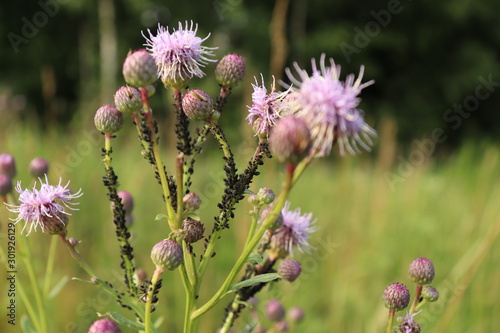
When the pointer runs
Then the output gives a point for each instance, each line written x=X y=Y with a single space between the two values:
x=330 y=107
x=294 y=233
x=266 y=107
x=44 y=208
x=179 y=55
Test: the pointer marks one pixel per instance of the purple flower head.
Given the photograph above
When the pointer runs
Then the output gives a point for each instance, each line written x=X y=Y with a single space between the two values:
x=330 y=107
x=179 y=54
x=44 y=208
x=266 y=107
x=293 y=233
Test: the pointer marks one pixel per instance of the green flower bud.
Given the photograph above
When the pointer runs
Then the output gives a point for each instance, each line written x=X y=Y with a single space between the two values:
x=197 y=104
x=128 y=100
x=430 y=294
x=139 y=69
x=167 y=254
x=265 y=195
x=108 y=119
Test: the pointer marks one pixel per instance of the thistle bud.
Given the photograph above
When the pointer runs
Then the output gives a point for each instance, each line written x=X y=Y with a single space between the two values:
x=5 y=184
x=230 y=70
x=139 y=69
x=277 y=223
x=193 y=230
x=104 y=325
x=396 y=297
x=254 y=200
x=127 y=201
x=55 y=225
x=7 y=165
x=259 y=329
x=128 y=100
x=289 y=269
x=192 y=202
x=430 y=294
x=167 y=254
x=108 y=119
x=296 y=315
x=265 y=195
x=197 y=104
x=39 y=167
x=421 y=271
x=290 y=139
x=274 y=310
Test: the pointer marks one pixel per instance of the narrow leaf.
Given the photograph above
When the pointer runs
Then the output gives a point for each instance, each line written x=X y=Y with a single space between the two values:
x=125 y=321
x=254 y=280
x=26 y=326
x=58 y=287
x=160 y=217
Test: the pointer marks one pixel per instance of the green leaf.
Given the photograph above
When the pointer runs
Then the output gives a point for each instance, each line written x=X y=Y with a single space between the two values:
x=160 y=217
x=254 y=258
x=58 y=287
x=254 y=280
x=125 y=321
x=26 y=326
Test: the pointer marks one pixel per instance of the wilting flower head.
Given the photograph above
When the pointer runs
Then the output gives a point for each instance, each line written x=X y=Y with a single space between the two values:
x=330 y=107
x=293 y=233
x=266 y=107
x=178 y=55
x=44 y=208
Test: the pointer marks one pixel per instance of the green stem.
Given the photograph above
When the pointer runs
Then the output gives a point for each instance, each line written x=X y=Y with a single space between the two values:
x=270 y=218
x=39 y=299
x=50 y=265
x=390 y=321
x=149 y=300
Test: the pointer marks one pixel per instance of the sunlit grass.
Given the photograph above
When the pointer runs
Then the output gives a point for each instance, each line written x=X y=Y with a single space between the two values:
x=446 y=210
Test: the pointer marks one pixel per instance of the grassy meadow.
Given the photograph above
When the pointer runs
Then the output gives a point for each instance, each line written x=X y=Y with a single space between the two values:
x=370 y=227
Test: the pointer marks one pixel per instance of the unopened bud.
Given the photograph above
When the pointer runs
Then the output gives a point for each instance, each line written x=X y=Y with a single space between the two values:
x=197 y=104
x=140 y=276
x=277 y=223
x=104 y=325
x=7 y=165
x=193 y=230
x=290 y=139
x=192 y=202
x=396 y=297
x=289 y=269
x=266 y=195
x=254 y=200
x=39 y=167
x=274 y=310
x=128 y=100
x=230 y=71
x=421 y=271
x=127 y=201
x=108 y=119
x=296 y=314
x=430 y=294
x=139 y=69
x=167 y=254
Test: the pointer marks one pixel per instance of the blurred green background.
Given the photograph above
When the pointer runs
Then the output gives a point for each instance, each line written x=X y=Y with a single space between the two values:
x=430 y=188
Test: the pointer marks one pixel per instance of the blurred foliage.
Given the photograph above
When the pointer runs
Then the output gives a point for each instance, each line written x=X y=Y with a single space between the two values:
x=425 y=56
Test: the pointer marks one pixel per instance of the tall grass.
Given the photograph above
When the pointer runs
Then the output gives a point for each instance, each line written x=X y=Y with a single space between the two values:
x=446 y=210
